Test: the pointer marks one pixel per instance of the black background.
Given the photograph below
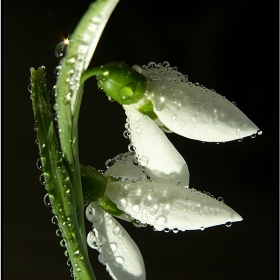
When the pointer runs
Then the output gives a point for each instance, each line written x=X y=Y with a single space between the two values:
x=231 y=46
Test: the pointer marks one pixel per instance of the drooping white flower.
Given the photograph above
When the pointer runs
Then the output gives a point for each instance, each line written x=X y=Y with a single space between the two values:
x=164 y=201
x=174 y=103
x=191 y=110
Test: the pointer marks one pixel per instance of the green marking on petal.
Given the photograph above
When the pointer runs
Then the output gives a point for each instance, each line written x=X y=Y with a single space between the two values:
x=148 y=110
x=109 y=206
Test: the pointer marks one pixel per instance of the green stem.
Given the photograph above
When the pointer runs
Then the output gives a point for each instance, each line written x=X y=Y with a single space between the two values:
x=91 y=72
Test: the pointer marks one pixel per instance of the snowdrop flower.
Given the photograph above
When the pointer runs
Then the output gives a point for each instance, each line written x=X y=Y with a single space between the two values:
x=147 y=186
x=158 y=194
x=174 y=103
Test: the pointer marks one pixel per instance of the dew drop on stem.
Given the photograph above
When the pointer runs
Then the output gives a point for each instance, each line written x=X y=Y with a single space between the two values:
x=39 y=164
x=47 y=200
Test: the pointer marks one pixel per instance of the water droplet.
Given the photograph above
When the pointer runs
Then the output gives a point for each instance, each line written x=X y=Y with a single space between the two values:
x=30 y=88
x=153 y=209
x=39 y=166
x=111 y=248
x=123 y=193
x=228 y=224
x=166 y=230
x=66 y=253
x=175 y=230
x=135 y=161
x=54 y=220
x=58 y=233
x=119 y=261
x=135 y=199
x=131 y=148
x=57 y=70
x=116 y=230
x=60 y=49
x=44 y=178
x=79 y=269
x=126 y=134
x=110 y=99
x=144 y=161
x=36 y=141
x=220 y=199
x=253 y=135
x=160 y=223
x=93 y=215
x=259 y=132
x=109 y=162
x=47 y=200
x=63 y=243
x=240 y=140
x=93 y=241
x=67 y=98
x=68 y=263
x=166 y=208
x=55 y=106
x=202 y=228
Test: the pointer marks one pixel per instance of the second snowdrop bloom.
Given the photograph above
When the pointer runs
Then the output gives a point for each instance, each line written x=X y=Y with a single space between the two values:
x=156 y=191
x=174 y=103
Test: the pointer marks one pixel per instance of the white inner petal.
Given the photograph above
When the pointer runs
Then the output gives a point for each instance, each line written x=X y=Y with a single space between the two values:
x=162 y=162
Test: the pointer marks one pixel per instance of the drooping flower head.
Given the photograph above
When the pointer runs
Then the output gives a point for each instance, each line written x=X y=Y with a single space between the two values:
x=177 y=105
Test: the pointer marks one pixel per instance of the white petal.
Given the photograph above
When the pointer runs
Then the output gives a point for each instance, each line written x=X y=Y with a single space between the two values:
x=126 y=167
x=166 y=206
x=197 y=113
x=118 y=251
x=162 y=162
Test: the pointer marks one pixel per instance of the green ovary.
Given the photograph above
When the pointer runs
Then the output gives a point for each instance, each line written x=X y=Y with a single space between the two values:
x=121 y=83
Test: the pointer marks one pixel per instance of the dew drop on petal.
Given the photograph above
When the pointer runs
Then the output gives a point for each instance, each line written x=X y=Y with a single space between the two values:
x=116 y=230
x=119 y=261
x=228 y=224
x=160 y=222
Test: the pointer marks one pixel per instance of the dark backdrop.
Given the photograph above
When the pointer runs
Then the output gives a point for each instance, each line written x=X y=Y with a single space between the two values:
x=231 y=46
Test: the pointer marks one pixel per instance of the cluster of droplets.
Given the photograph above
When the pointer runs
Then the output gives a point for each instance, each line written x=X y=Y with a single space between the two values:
x=141 y=161
x=173 y=98
x=125 y=167
x=112 y=250
x=66 y=221
x=165 y=208
x=154 y=71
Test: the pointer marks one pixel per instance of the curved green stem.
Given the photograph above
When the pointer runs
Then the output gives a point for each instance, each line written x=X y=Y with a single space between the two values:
x=91 y=72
